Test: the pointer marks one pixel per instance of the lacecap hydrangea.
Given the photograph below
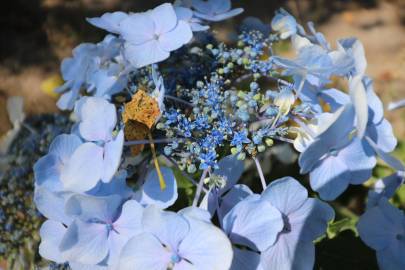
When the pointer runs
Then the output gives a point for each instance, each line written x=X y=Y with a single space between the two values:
x=160 y=102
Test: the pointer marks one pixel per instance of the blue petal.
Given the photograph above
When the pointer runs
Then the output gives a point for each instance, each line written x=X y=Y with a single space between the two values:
x=112 y=157
x=232 y=197
x=98 y=119
x=144 y=251
x=206 y=246
x=109 y=21
x=89 y=208
x=85 y=243
x=145 y=54
x=64 y=145
x=47 y=172
x=231 y=168
x=170 y=228
x=125 y=227
x=152 y=194
x=330 y=177
x=358 y=96
x=254 y=223
x=196 y=212
x=84 y=168
x=289 y=253
x=164 y=18
x=385 y=187
x=311 y=219
x=52 y=204
x=244 y=259
x=118 y=185
x=51 y=233
x=286 y=194
x=378 y=227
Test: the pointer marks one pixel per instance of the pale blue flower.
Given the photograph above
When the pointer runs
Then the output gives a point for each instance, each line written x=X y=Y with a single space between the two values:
x=96 y=235
x=284 y=23
x=305 y=219
x=215 y=10
x=75 y=72
x=253 y=223
x=383 y=229
x=187 y=15
x=109 y=21
x=355 y=49
x=152 y=35
x=314 y=63
x=102 y=154
x=175 y=241
x=47 y=170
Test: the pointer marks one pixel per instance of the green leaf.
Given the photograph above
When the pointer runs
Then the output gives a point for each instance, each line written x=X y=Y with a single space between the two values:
x=339 y=226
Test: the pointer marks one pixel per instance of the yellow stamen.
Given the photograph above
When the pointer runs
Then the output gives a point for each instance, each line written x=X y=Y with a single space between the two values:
x=155 y=161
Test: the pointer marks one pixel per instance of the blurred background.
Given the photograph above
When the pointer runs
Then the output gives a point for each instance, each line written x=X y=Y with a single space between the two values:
x=37 y=34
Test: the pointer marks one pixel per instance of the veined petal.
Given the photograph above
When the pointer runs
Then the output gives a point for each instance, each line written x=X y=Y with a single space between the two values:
x=85 y=243
x=330 y=177
x=145 y=54
x=164 y=17
x=286 y=194
x=137 y=28
x=170 y=228
x=206 y=246
x=176 y=38
x=51 y=233
x=253 y=223
x=83 y=170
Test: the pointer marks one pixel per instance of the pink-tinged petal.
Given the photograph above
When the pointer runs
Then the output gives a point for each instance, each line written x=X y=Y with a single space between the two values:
x=137 y=28
x=83 y=170
x=144 y=251
x=112 y=157
x=176 y=38
x=164 y=17
x=85 y=243
x=145 y=54
x=51 y=233
x=286 y=194
x=206 y=246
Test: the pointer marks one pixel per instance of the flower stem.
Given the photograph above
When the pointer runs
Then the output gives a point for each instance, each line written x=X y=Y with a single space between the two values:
x=200 y=186
x=259 y=169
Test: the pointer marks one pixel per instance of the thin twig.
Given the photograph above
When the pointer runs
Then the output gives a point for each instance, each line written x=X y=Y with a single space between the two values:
x=165 y=140
x=282 y=139
x=179 y=100
x=200 y=187
x=259 y=169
